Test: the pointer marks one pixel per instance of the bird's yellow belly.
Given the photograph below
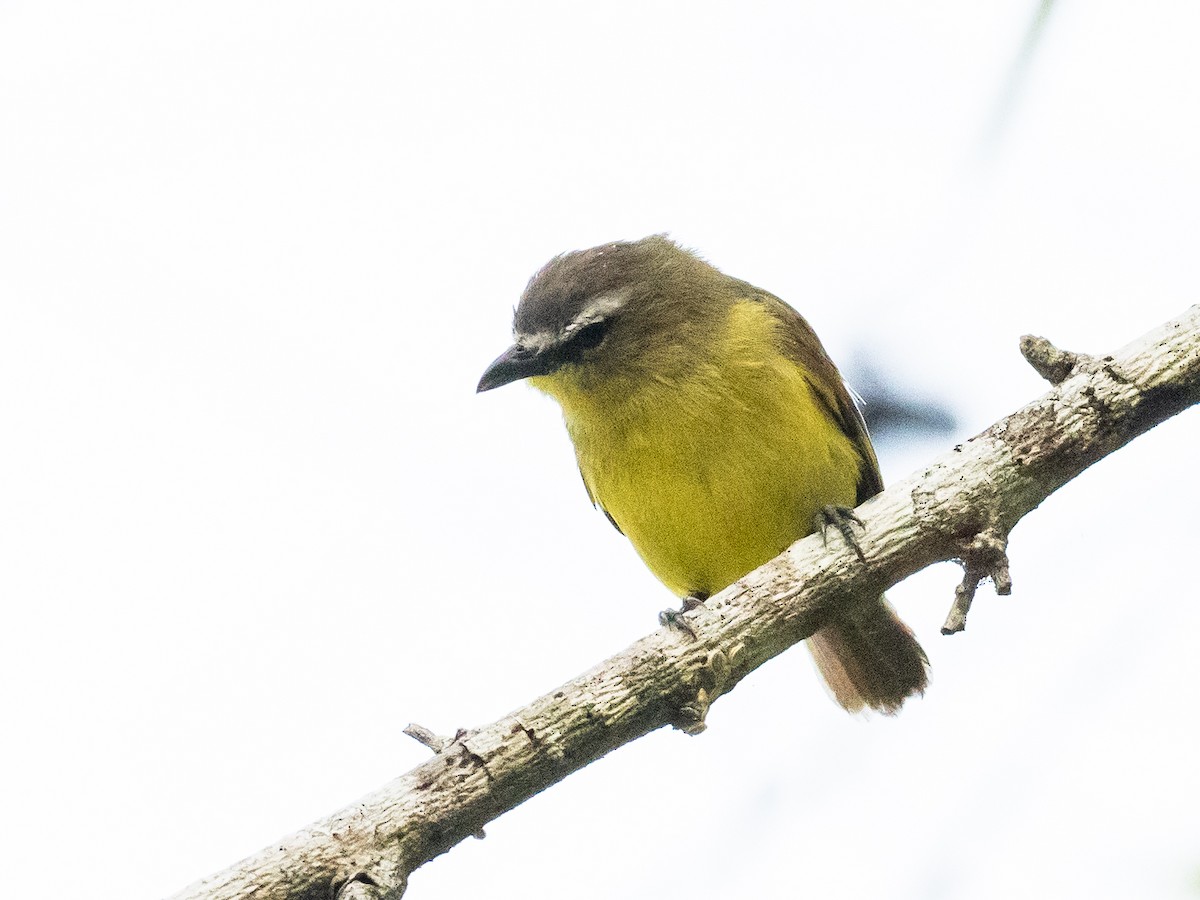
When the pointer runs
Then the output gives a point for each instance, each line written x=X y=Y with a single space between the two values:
x=709 y=489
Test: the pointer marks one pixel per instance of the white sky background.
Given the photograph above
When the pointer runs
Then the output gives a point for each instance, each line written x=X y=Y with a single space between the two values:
x=253 y=518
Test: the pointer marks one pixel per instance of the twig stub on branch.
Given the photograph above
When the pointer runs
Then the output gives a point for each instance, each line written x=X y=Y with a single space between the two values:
x=423 y=735
x=985 y=556
x=1055 y=365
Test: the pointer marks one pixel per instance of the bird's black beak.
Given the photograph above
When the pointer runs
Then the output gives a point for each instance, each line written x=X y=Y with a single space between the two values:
x=513 y=364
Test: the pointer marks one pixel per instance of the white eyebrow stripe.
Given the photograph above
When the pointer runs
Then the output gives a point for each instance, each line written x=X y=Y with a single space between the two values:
x=601 y=307
x=539 y=341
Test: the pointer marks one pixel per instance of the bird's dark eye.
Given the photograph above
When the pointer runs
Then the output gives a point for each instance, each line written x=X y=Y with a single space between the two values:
x=590 y=335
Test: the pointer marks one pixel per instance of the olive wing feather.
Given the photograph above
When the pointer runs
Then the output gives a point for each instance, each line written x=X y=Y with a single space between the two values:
x=801 y=344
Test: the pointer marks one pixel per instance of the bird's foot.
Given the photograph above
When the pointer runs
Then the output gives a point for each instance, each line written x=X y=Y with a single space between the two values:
x=842 y=518
x=673 y=618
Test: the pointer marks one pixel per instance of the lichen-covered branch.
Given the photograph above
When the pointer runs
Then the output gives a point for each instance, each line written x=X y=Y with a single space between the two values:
x=962 y=506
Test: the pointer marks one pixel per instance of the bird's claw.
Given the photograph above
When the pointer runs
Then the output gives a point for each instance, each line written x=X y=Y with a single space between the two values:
x=674 y=618
x=842 y=518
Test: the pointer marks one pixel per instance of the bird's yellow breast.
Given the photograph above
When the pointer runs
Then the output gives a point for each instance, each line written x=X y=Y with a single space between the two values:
x=713 y=472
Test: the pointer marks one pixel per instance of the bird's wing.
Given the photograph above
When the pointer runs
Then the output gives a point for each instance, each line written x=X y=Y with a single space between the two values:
x=599 y=505
x=801 y=344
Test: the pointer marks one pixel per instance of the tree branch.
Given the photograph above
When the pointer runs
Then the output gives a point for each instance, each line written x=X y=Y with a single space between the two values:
x=962 y=507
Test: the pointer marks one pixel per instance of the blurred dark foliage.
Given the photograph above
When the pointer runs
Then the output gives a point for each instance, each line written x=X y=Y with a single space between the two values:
x=895 y=410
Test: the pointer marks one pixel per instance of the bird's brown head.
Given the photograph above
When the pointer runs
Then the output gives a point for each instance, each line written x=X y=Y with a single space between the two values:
x=616 y=311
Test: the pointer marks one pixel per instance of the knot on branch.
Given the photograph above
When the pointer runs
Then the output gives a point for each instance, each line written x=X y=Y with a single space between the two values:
x=712 y=679
x=382 y=880
x=437 y=743
x=1056 y=365
x=984 y=556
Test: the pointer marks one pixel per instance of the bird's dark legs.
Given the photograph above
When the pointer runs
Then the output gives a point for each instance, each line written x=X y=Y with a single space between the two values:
x=673 y=618
x=841 y=518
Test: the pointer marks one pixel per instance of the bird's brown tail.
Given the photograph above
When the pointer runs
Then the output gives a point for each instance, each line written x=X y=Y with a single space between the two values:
x=869 y=658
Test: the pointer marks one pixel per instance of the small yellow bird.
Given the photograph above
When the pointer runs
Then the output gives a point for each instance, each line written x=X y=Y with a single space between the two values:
x=712 y=429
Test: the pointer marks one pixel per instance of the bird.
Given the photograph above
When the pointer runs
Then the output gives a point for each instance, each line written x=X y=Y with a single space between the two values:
x=713 y=430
